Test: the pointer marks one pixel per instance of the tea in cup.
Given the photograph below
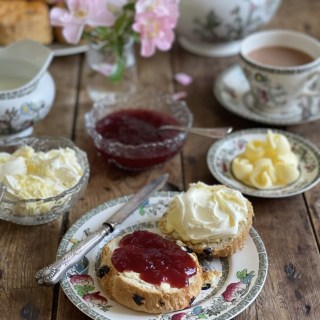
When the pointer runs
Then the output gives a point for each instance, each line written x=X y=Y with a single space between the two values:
x=281 y=66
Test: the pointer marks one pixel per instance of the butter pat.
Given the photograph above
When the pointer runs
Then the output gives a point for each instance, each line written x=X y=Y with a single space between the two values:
x=28 y=174
x=206 y=213
x=267 y=164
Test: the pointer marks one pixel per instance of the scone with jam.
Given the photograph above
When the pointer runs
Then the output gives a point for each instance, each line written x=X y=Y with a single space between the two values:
x=146 y=272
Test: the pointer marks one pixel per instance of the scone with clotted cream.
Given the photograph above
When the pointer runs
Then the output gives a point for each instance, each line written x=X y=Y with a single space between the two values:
x=211 y=220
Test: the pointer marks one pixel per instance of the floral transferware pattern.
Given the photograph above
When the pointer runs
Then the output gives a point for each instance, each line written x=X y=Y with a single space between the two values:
x=243 y=274
x=266 y=92
x=212 y=28
x=234 y=292
x=29 y=111
x=221 y=154
x=233 y=92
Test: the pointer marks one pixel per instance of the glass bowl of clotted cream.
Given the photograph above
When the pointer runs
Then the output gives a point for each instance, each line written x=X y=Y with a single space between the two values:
x=43 y=177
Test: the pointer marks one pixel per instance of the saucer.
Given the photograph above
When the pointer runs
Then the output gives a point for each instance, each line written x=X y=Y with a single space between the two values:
x=222 y=153
x=21 y=134
x=61 y=49
x=233 y=93
x=224 y=49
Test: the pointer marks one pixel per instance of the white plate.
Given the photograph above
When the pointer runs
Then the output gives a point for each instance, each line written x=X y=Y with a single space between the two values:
x=221 y=154
x=60 y=49
x=232 y=91
x=243 y=274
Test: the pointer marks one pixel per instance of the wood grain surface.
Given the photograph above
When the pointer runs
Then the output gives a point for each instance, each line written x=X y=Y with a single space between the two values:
x=289 y=227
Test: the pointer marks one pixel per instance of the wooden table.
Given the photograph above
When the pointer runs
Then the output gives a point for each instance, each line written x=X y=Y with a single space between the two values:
x=289 y=227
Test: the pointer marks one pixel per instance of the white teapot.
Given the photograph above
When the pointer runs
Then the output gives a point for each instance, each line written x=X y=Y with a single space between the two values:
x=215 y=27
x=27 y=90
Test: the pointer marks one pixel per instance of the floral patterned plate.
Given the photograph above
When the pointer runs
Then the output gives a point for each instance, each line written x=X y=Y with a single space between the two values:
x=221 y=154
x=233 y=92
x=243 y=274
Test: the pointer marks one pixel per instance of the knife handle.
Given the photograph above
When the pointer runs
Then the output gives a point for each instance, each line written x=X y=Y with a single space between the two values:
x=52 y=273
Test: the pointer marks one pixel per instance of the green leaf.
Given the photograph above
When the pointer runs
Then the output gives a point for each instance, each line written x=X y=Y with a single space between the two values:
x=120 y=25
x=242 y=274
x=117 y=74
x=129 y=6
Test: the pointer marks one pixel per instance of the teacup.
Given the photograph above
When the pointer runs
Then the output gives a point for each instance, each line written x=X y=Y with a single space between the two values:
x=281 y=66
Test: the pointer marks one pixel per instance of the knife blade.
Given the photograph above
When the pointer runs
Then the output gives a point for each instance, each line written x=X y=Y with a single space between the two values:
x=52 y=273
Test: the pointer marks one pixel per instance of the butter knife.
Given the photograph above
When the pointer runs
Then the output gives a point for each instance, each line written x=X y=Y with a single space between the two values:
x=52 y=273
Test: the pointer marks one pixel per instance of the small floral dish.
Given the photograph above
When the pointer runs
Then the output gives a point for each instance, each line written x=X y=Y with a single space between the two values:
x=222 y=153
x=126 y=131
x=43 y=178
x=243 y=273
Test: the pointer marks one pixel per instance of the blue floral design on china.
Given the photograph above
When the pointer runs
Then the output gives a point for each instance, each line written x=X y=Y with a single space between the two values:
x=222 y=153
x=32 y=109
x=83 y=289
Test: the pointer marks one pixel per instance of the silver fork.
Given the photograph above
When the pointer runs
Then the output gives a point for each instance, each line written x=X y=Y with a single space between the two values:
x=215 y=133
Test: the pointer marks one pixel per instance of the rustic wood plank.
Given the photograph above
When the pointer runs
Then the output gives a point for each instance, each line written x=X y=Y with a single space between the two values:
x=293 y=277
x=26 y=249
x=59 y=121
x=308 y=22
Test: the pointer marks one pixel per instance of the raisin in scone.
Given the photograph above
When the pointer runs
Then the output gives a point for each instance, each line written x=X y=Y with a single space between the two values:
x=146 y=272
x=211 y=220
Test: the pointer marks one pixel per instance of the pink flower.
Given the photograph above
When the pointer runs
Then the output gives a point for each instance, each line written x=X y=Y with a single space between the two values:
x=155 y=21
x=80 y=13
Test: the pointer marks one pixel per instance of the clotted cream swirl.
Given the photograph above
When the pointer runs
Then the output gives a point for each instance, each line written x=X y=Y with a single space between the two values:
x=206 y=212
x=28 y=174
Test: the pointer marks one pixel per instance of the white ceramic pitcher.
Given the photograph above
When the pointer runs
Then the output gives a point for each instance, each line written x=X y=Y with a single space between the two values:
x=27 y=90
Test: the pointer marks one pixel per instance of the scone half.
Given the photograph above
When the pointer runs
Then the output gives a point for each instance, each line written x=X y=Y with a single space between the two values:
x=222 y=246
x=129 y=290
x=219 y=248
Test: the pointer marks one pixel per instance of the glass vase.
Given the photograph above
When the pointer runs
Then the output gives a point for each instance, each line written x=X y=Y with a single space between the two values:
x=101 y=61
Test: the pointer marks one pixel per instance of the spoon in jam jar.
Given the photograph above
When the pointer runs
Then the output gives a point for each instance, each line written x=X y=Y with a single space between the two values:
x=214 y=133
